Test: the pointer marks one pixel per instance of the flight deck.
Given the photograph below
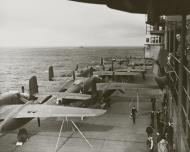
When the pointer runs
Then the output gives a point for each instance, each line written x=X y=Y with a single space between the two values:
x=111 y=132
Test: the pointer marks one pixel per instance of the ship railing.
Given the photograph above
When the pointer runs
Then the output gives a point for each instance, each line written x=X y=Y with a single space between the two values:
x=175 y=58
x=173 y=65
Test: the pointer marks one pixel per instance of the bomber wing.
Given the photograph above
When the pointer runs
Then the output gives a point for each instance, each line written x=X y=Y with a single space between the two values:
x=5 y=111
x=72 y=96
x=116 y=73
x=110 y=86
x=117 y=86
x=131 y=70
x=36 y=110
x=68 y=96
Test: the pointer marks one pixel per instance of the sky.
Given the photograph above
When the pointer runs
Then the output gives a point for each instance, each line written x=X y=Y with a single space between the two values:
x=46 y=23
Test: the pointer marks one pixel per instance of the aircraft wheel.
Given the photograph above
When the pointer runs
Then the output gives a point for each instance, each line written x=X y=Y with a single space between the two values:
x=22 y=135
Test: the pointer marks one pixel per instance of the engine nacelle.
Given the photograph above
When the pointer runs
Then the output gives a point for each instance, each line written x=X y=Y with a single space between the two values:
x=11 y=97
x=12 y=124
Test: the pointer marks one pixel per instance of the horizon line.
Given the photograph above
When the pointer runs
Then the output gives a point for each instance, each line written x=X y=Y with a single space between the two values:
x=71 y=46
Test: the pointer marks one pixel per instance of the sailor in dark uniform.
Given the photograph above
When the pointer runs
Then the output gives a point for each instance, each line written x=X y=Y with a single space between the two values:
x=133 y=113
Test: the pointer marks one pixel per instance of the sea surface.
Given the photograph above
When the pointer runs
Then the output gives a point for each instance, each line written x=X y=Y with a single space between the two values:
x=17 y=65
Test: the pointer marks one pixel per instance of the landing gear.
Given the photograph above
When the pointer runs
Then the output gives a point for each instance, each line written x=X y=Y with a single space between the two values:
x=22 y=136
x=105 y=103
x=108 y=104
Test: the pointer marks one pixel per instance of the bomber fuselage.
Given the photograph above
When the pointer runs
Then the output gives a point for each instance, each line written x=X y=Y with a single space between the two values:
x=83 y=86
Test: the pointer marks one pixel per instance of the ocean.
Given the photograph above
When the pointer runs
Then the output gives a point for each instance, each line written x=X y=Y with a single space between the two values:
x=17 y=65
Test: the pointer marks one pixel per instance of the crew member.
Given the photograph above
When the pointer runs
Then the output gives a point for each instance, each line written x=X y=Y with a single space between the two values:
x=158 y=119
x=133 y=113
x=153 y=101
x=150 y=144
x=149 y=130
x=152 y=118
x=169 y=134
